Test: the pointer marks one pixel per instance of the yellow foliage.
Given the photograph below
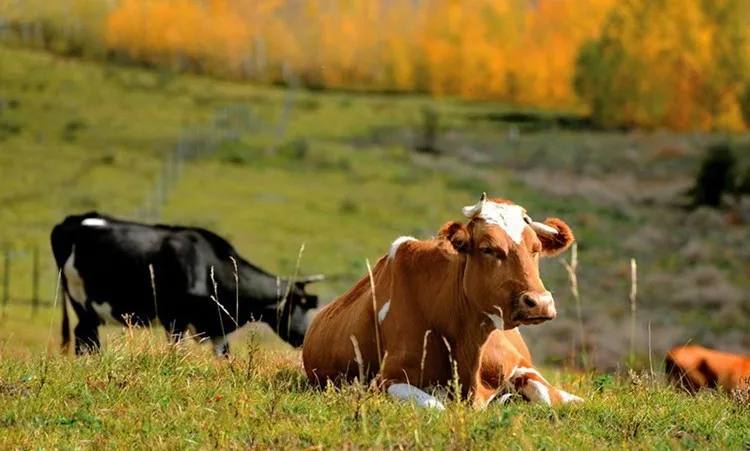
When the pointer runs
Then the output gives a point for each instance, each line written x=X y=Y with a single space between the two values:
x=520 y=51
x=672 y=64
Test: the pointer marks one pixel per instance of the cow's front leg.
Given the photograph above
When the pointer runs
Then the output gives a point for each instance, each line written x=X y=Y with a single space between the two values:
x=397 y=379
x=534 y=387
x=470 y=377
x=406 y=392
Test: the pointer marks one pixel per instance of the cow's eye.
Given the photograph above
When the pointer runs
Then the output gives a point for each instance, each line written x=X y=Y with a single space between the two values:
x=495 y=253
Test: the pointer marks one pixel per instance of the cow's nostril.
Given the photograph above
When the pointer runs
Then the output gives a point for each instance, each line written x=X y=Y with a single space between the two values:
x=529 y=301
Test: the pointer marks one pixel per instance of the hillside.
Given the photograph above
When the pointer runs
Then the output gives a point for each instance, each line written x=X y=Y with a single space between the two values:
x=344 y=181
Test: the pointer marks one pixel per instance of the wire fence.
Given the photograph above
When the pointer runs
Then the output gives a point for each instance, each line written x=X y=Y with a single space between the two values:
x=228 y=124
x=23 y=271
x=74 y=27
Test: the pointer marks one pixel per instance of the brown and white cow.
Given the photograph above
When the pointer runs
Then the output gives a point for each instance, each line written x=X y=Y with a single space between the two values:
x=452 y=302
x=694 y=367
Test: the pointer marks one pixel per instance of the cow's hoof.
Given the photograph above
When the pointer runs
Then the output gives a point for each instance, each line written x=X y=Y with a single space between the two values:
x=433 y=404
x=568 y=398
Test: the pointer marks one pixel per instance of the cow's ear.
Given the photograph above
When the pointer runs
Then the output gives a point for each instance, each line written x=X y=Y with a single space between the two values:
x=555 y=244
x=457 y=234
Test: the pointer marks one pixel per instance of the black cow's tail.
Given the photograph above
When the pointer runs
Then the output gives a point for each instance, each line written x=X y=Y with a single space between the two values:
x=62 y=246
x=65 y=325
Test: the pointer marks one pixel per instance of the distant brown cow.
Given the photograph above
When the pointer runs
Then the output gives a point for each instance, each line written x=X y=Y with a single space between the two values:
x=458 y=298
x=694 y=367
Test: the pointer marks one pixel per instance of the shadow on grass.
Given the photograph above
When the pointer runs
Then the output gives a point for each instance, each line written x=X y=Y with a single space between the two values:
x=533 y=122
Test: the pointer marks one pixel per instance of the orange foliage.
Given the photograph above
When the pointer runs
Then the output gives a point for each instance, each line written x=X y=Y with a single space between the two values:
x=672 y=64
x=515 y=50
x=495 y=49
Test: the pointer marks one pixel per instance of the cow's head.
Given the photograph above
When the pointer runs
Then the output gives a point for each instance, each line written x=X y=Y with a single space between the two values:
x=502 y=246
x=298 y=311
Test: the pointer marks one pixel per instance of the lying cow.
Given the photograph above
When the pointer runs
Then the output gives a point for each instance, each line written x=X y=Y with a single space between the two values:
x=694 y=367
x=458 y=298
x=106 y=276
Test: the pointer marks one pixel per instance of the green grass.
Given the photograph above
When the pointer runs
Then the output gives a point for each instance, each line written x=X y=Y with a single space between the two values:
x=76 y=136
x=140 y=393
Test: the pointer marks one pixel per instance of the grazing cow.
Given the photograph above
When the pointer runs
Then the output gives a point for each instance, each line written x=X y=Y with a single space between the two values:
x=116 y=271
x=457 y=299
x=694 y=367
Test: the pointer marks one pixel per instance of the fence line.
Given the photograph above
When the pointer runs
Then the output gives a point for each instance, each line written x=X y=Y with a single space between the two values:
x=228 y=124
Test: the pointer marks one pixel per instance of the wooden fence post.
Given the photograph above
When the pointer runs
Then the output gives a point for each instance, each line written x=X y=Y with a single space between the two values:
x=35 y=282
x=6 y=281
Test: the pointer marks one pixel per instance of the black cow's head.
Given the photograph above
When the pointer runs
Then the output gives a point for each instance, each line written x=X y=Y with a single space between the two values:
x=297 y=311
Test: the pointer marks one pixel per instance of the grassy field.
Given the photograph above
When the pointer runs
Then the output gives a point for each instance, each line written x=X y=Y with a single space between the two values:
x=344 y=181
x=142 y=394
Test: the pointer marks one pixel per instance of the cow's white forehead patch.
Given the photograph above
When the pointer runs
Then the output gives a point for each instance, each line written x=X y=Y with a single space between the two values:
x=506 y=216
x=94 y=222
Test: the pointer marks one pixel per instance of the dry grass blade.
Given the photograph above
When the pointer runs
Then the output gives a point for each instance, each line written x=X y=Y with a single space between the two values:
x=54 y=309
x=282 y=304
x=358 y=358
x=572 y=268
x=223 y=309
x=45 y=359
x=374 y=312
x=215 y=298
x=633 y=293
x=236 y=289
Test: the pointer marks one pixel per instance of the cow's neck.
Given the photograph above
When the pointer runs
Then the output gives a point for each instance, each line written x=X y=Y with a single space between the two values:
x=453 y=316
x=456 y=319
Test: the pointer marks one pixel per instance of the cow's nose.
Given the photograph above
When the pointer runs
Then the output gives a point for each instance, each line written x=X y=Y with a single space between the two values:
x=538 y=305
x=529 y=301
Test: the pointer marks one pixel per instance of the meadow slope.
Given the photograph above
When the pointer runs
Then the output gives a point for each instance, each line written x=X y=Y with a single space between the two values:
x=344 y=181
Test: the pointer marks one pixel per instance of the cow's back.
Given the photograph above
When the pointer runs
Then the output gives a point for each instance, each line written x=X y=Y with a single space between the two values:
x=112 y=259
x=695 y=367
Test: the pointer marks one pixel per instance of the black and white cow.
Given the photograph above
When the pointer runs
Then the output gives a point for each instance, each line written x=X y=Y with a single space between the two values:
x=117 y=271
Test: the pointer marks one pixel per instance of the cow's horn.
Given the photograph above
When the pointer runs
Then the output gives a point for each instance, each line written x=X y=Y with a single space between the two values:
x=543 y=229
x=312 y=278
x=472 y=210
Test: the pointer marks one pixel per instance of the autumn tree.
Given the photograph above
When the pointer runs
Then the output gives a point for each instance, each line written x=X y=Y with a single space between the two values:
x=664 y=63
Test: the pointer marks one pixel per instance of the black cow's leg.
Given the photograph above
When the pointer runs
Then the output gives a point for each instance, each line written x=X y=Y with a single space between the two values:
x=87 y=337
x=86 y=331
x=221 y=346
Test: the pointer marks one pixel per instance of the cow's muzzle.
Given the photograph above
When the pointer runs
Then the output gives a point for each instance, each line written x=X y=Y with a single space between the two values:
x=535 y=308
